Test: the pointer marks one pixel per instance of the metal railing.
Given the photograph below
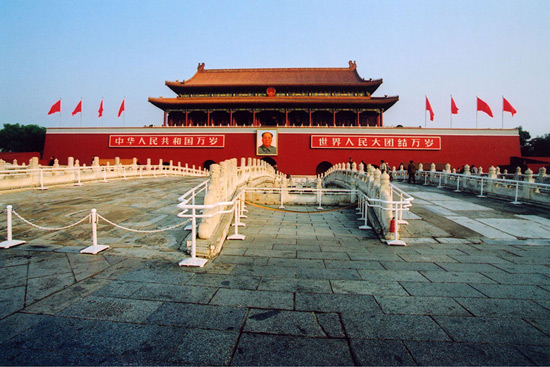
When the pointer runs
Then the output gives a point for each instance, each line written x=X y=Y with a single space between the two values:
x=195 y=212
x=484 y=186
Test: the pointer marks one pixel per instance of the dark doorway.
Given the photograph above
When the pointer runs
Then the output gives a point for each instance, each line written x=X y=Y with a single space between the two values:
x=271 y=161
x=207 y=164
x=323 y=167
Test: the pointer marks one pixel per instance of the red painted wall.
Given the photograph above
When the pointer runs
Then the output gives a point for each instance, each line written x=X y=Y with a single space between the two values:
x=458 y=147
x=23 y=157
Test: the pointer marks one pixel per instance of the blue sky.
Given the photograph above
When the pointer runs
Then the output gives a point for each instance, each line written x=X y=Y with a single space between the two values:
x=128 y=49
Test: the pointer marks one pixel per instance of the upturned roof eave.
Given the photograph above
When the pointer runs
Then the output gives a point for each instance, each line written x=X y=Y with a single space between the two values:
x=178 y=86
x=166 y=103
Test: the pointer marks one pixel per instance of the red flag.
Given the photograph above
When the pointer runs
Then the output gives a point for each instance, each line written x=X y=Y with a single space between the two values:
x=454 y=108
x=100 y=111
x=121 y=109
x=78 y=108
x=507 y=107
x=56 y=107
x=484 y=107
x=429 y=108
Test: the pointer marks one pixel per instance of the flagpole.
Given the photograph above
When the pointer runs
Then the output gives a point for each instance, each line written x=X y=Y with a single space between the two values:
x=59 y=112
x=476 y=110
x=124 y=115
x=80 y=111
x=502 y=127
x=451 y=126
x=425 y=98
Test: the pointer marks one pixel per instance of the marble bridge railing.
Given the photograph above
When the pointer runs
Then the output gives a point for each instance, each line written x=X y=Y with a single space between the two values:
x=34 y=175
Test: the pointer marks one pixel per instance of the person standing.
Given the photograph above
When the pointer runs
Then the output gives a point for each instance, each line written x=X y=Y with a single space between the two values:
x=384 y=166
x=411 y=170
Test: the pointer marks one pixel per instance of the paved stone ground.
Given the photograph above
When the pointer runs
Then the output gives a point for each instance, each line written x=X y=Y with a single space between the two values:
x=301 y=289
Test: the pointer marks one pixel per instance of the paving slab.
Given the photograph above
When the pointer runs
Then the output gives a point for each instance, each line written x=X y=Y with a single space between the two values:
x=466 y=354
x=188 y=315
x=414 y=305
x=279 y=350
x=381 y=353
x=282 y=322
x=499 y=330
x=395 y=327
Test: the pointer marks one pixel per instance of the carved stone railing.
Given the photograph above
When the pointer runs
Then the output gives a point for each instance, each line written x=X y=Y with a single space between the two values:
x=34 y=175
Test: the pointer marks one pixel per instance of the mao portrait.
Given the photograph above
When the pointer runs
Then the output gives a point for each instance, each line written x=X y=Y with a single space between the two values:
x=266 y=142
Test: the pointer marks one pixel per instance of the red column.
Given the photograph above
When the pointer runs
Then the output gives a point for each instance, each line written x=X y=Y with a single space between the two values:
x=378 y=119
x=231 y=118
x=186 y=118
x=208 y=118
x=253 y=117
x=333 y=117
x=286 y=118
x=381 y=118
x=310 y=120
x=358 y=112
x=165 y=118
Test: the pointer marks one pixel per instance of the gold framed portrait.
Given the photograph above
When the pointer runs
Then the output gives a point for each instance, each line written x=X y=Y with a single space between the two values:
x=267 y=142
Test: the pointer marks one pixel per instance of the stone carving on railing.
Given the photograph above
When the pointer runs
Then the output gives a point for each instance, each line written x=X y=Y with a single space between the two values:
x=226 y=181
x=372 y=182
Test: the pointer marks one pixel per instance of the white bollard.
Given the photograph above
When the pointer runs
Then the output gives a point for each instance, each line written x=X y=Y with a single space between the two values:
x=9 y=242
x=95 y=248
x=78 y=183
x=42 y=181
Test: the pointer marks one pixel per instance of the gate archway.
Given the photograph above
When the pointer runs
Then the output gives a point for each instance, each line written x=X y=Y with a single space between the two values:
x=323 y=167
x=207 y=164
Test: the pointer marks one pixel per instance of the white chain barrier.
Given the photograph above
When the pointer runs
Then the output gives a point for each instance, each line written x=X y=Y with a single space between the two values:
x=91 y=218
x=49 y=228
x=143 y=231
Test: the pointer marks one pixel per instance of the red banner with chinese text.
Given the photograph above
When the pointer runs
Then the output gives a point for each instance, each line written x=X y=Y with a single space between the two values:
x=375 y=142
x=167 y=141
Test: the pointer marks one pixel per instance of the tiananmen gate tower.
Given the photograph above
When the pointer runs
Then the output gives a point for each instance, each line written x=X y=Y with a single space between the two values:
x=304 y=120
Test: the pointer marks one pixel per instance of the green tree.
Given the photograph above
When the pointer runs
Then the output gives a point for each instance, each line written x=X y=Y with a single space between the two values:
x=22 y=138
x=541 y=146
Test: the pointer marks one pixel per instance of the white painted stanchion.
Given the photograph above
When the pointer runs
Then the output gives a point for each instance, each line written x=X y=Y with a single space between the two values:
x=193 y=260
x=516 y=196
x=481 y=193
x=42 y=181
x=78 y=183
x=104 y=174
x=457 y=184
x=237 y=224
x=365 y=214
x=440 y=176
x=9 y=242
x=396 y=241
x=319 y=199
x=95 y=248
x=242 y=206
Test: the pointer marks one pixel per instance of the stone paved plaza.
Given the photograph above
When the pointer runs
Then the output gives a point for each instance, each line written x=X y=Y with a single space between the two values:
x=471 y=288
